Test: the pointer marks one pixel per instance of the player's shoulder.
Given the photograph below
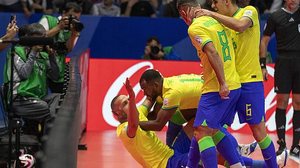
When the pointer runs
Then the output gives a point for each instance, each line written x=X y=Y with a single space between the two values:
x=203 y=23
x=249 y=7
x=250 y=10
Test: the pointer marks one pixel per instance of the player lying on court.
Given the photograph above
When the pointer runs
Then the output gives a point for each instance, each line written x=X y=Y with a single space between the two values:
x=144 y=146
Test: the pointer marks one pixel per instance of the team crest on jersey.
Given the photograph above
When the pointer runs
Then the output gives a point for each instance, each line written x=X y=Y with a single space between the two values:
x=248 y=13
x=166 y=102
x=198 y=39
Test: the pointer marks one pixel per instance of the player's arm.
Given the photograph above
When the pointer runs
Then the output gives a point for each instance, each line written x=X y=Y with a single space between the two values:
x=161 y=120
x=263 y=55
x=269 y=29
x=239 y=25
x=133 y=115
x=153 y=114
x=217 y=65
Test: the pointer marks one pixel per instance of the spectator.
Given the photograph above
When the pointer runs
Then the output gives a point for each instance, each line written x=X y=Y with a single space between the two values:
x=65 y=35
x=155 y=51
x=106 y=8
x=169 y=9
x=285 y=24
x=86 y=6
x=38 y=6
x=139 y=8
x=10 y=6
x=276 y=4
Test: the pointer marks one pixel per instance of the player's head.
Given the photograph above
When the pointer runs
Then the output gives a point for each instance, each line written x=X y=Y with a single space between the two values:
x=221 y=6
x=185 y=7
x=119 y=107
x=151 y=83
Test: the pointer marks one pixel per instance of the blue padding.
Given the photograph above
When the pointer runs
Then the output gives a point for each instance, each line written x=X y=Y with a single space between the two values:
x=121 y=37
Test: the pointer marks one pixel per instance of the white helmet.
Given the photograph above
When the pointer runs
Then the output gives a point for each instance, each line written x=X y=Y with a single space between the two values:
x=26 y=161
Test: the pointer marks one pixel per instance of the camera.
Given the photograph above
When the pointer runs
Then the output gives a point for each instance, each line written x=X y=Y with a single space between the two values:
x=154 y=50
x=78 y=26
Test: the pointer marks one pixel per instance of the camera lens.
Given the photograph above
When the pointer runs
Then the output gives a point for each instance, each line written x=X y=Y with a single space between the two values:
x=154 y=49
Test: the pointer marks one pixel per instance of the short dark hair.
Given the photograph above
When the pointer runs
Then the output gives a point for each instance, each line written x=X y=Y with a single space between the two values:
x=153 y=38
x=150 y=75
x=72 y=5
x=32 y=29
x=187 y=2
x=113 y=101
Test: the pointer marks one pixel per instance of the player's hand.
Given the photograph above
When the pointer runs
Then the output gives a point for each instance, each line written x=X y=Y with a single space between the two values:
x=265 y=73
x=224 y=91
x=202 y=12
x=129 y=89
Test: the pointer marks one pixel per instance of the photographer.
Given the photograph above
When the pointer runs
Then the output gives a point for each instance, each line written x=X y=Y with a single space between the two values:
x=155 y=51
x=31 y=67
x=65 y=29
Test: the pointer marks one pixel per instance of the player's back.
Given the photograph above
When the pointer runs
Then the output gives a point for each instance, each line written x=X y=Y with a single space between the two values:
x=183 y=91
x=204 y=30
x=247 y=47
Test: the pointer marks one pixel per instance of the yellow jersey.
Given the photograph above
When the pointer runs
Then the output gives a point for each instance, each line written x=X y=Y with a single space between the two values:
x=204 y=30
x=247 y=47
x=182 y=91
x=146 y=148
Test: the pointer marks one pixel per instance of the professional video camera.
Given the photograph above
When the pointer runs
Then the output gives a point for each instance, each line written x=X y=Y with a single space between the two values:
x=73 y=21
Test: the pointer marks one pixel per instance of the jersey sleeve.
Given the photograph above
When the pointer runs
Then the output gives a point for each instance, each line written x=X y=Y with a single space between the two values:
x=171 y=100
x=251 y=13
x=143 y=112
x=269 y=27
x=199 y=36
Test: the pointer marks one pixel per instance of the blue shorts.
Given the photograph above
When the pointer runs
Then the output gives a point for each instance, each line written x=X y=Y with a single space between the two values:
x=216 y=111
x=172 y=132
x=251 y=105
x=178 y=160
x=181 y=143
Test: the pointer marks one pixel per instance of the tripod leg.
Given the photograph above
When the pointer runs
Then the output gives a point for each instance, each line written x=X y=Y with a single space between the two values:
x=18 y=134
x=9 y=143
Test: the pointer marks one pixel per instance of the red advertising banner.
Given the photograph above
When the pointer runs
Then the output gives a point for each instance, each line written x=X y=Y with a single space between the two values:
x=106 y=77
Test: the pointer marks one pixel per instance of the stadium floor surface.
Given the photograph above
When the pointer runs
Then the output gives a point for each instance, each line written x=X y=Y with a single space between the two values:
x=104 y=149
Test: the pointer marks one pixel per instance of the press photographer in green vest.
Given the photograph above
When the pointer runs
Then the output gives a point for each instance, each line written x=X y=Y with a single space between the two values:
x=65 y=30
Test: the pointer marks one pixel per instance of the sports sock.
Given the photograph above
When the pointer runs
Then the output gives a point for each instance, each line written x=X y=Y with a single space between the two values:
x=296 y=127
x=253 y=163
x=268 y=151
x=208 y=152
x=280 y=118
x=227 y=146
x=194 y=154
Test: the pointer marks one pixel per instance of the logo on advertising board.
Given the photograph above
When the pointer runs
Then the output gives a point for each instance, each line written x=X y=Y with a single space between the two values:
x=116 y=87
x=103 y=91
